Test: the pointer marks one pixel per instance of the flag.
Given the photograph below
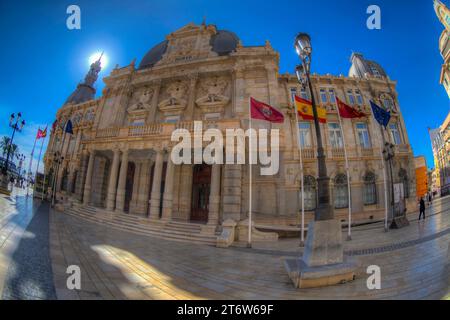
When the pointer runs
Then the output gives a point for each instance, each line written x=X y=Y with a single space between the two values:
x=382 y=116
x=69 y=128
x=347 y=112
x=55 y=123
x=305 y=110
x=262 y=111
x=41 y=133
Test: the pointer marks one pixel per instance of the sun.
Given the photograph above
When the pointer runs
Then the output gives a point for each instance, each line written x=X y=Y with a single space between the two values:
x=95 y=56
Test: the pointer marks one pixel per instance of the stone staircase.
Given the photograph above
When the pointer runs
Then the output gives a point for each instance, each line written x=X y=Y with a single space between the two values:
x=176 y=231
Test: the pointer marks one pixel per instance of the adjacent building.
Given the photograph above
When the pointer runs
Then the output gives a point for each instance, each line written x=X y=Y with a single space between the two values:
x=422 y=186
x=117 y=160
x=440 y=141
x=443 y=13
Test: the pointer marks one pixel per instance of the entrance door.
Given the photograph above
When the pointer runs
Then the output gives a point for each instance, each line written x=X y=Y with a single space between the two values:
x=129 y=186
x=201 y=185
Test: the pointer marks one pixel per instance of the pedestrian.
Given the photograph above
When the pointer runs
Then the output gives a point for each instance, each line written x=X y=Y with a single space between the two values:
x=430 y=199
x=422 y=209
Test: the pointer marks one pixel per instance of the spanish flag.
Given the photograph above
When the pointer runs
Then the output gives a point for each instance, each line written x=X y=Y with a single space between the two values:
x=305 y=110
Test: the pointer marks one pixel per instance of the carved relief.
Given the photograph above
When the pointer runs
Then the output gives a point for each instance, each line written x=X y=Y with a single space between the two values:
x=176 y=101
x=142 y=105
x=213 y=95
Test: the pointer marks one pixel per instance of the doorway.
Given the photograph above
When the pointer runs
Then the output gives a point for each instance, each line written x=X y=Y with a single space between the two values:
x=201 y=185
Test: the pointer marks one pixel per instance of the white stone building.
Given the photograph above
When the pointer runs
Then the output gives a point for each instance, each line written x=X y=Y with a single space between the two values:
x=117 y=158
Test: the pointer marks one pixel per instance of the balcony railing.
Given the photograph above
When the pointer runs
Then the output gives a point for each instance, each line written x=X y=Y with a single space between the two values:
x=308 y=153
x=107 y=133
x=137 y=131
x=366 y=152
x=337 y=153
x=402 y=148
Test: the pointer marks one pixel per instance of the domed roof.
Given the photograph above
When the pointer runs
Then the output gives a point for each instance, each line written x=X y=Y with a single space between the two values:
x=362 y=67
x=154 y=55
x=223 y=42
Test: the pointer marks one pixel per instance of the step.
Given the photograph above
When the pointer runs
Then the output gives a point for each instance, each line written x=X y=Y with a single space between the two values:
x=124 y=223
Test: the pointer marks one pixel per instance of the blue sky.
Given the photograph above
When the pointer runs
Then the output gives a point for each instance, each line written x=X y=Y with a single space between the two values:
x=41 y=61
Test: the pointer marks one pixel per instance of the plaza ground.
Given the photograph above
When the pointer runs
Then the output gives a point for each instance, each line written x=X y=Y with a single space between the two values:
x=38 y=244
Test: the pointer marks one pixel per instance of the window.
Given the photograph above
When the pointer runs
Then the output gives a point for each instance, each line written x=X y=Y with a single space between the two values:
x=369 y=189
x=293 y=94
x=305 y=134
x=351 y=97
x=375 y=71
x=359 y=98
x=323 y=96
x=340 y=192
x=138 y=122
x=172 y=119
x=332 y=95
x=310 y=196
x=395 y=134
x=387 y=103
x=335 y=135
x=363 y=135
x=404 y=179
x=304 y=94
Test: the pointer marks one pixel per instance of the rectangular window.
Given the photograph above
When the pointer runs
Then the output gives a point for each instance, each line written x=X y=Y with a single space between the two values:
x=359 y=98
x=351 y=97
x=172 y=119
x=335 y=135
x=323 y=96
x=332 y=95
x=363 y=135
x=138 y=122
x=305 y=134
x=395 y=134
x=303 y=94
x=293 y=94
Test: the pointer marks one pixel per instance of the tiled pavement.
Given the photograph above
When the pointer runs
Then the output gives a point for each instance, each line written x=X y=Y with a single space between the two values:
x=119 y=265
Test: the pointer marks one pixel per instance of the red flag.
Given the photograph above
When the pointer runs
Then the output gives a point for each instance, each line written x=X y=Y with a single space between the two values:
x=345 y=111
x=262 y=111
x=41 y=133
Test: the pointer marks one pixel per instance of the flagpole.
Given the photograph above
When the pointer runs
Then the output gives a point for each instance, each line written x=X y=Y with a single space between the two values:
x=249 y=244
x=37 y=168
x=31 y=163
x=349 y=235
x=302 y=231
x=384 y=177
x=55 y=181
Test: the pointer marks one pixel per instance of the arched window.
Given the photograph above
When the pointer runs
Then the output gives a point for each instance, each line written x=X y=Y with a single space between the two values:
x=403 y=175
x=369 y=189
x=310 y=196
x=340 y=192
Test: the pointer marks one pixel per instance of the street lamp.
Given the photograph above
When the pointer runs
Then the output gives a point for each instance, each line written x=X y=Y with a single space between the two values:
x=323 y=258
x=17 y=125
x=324 y=209
x=21 y=158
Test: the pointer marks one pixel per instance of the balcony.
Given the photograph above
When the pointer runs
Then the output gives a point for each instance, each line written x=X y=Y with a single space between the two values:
x=148 y=130
x=308 y=153
x=337 y=153
x=366 y=152
x=107 y=133
x=402 y=148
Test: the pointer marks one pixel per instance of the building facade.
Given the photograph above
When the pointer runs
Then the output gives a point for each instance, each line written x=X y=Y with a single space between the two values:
x=440 y=141
x=118 y=157
x=443 y=13
x=422 y=180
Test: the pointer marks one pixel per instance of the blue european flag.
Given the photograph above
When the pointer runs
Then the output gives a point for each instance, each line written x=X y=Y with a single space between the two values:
x=69 y=128
x=382 y=116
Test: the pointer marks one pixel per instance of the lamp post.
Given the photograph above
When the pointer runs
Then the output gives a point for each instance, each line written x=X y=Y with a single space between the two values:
x=323 y=260
x=21 y=158
x=17 y=125
x=324 y=209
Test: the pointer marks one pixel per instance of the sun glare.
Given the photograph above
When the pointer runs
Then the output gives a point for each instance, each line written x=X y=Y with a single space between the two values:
x=95 y=56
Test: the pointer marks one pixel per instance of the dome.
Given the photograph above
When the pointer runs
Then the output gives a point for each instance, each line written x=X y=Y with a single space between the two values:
x=361 y=67
x=223 y=43
x=82 y=94
x=154 y=55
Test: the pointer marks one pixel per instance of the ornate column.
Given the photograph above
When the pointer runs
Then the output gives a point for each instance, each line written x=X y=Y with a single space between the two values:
x=156 y=187
x=77 y=142
x=136 y=184
x=144 y=183
x=120 y=196
x=186 y=191
x=70 y=178
x=88 y=183
x=154 y=106
x=214 y=196
x=111 y=197
x=191 y=102
x=168 y=191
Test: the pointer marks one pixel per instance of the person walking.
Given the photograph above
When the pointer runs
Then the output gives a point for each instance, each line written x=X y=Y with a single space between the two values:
x=422 y=209
x=430 y=199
